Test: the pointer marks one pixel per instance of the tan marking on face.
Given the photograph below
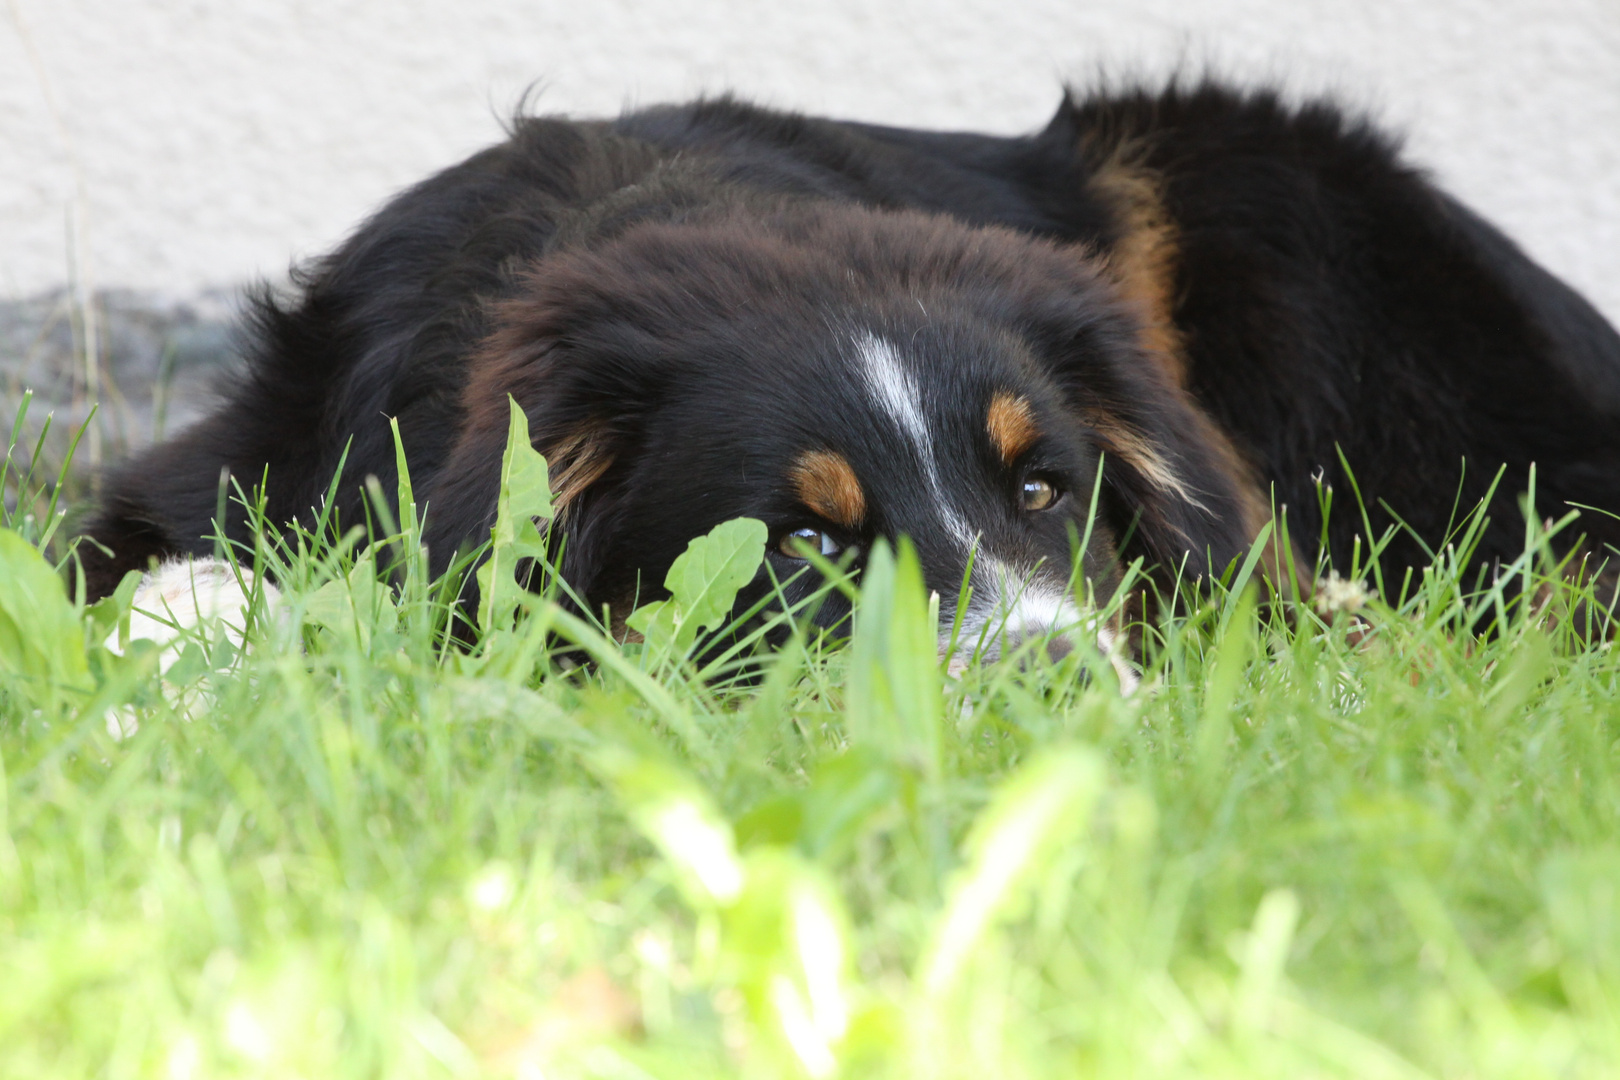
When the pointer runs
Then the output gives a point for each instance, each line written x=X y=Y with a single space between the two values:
x=826 y=484
x=1011 y=423
x=575 y=462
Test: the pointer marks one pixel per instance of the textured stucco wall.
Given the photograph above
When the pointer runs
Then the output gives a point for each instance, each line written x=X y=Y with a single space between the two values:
x=210 y=141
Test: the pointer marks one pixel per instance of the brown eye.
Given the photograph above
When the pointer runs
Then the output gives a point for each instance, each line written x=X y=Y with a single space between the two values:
x=1039 y=493
x=792 y=545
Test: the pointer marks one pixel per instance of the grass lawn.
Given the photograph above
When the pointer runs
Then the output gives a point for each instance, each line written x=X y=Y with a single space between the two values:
x=348 y=851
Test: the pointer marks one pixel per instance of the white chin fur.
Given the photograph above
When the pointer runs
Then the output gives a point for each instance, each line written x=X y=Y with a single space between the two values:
x=176 y=603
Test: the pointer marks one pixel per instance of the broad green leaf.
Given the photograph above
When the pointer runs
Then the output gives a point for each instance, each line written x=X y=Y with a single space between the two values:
x=705 y=579
x=353 y=607
x=41 y=638
x=111 y=612
x=657 y=623
x=525 y=484
x=703 y=584
x=894 y=698
x=524 y=496
x=332 y=608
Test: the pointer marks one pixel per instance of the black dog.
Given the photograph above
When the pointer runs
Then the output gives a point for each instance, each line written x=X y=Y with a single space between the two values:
x=849 y=331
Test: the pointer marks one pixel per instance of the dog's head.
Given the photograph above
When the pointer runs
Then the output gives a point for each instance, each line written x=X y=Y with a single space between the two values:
x=845 y=374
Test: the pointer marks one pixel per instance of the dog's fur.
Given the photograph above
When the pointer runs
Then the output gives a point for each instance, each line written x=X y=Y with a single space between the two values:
x=714 y=310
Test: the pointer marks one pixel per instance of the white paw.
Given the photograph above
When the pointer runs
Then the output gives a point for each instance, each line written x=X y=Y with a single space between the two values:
x=180 y=602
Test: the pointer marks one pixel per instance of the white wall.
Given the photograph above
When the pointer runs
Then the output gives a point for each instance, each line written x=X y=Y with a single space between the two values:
x=213 y=140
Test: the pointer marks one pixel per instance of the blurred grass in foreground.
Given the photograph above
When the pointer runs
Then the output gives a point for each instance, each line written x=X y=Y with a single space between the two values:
x=348 y=850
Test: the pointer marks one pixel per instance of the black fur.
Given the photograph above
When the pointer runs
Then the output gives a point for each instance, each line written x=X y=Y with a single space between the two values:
x=1195 y=284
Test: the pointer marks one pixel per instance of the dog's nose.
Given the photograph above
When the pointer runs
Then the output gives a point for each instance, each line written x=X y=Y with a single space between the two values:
x=1012 y=640
x=1055 y=646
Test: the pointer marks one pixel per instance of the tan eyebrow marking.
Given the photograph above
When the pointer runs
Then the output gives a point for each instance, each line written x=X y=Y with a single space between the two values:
x=1011 y=423
x=826 y=484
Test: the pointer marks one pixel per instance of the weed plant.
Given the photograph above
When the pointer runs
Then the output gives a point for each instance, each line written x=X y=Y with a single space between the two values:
x=1311 y=843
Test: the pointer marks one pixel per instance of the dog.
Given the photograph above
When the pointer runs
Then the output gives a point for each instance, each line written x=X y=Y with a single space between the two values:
x=1165 y=317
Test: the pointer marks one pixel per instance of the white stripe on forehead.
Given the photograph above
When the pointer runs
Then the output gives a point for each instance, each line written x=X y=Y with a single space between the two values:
x=1008 y=602
x=895 y=393
x=891 y=386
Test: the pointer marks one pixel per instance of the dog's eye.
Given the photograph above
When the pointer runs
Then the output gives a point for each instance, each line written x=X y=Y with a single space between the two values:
x=1039 y=493
x=815 y=539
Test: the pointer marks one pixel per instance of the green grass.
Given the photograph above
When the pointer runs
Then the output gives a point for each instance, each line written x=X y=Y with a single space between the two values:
x=349 y=851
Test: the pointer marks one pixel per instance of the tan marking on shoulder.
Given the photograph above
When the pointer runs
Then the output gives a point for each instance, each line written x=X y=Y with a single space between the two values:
x=618 y=618
x=1011 y=424
x=1145 y=257
x=575 y=462
x=826 y=483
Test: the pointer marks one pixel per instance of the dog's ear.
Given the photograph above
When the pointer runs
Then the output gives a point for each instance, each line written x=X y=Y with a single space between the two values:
x=566 y=397
x=1174 y=483
x=588 y=343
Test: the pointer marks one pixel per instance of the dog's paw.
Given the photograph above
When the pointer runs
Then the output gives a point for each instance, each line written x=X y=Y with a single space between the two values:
x=180 y=602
